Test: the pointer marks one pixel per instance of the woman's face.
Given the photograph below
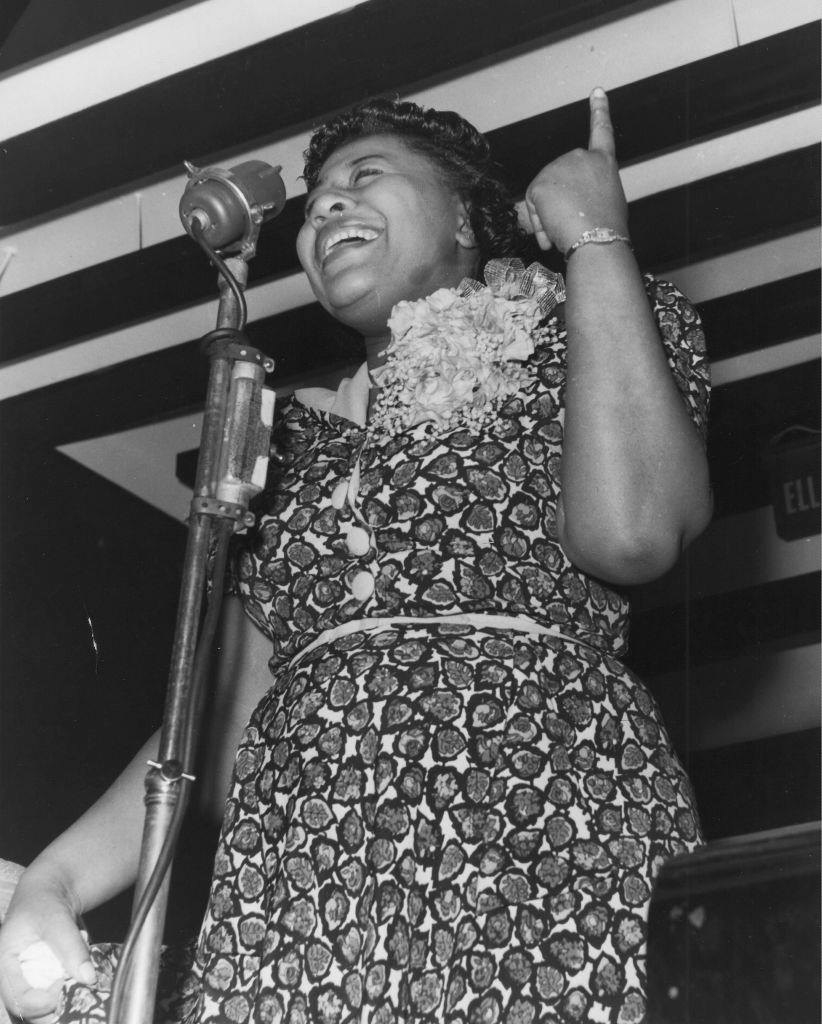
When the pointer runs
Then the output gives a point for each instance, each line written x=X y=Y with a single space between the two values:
x=382 y=225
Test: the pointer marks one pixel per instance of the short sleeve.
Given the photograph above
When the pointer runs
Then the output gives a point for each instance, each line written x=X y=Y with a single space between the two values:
x=681 y=331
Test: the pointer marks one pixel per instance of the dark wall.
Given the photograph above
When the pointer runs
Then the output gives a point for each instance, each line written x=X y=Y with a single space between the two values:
x=88 y=593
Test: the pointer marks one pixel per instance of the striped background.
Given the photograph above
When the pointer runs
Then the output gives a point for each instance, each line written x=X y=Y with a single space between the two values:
x=716 y=104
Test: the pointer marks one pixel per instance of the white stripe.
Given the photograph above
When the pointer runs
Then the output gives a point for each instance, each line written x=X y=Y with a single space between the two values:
x=614 y=54
x=144 y=338
x=735 y=552
x=73 y=241
x=749 y=268
x=768 y=693
x=147 y=52
x=80 y=77
x=764 y=360
x=755 y=19
x=725 y=153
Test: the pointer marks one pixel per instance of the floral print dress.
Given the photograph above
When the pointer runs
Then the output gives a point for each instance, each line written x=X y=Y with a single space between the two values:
x=451 y=808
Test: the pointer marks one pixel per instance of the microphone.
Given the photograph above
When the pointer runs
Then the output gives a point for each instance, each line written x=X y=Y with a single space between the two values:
x=225 y=209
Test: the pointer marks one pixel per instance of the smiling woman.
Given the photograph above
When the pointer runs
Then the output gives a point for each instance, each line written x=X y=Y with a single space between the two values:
x=447 y=210
x=449 y=797
x=381 y=225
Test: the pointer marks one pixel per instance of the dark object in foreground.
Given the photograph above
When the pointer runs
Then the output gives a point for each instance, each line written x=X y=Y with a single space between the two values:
x=734 y=932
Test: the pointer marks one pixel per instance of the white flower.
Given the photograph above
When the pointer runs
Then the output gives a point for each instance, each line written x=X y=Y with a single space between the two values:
x=456 y=355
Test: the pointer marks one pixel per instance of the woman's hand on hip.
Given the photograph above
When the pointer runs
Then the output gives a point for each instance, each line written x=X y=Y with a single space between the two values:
x=580 y=190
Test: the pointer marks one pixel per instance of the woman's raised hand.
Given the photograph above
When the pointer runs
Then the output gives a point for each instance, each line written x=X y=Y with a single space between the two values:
x=580 y=190
x=40 y=945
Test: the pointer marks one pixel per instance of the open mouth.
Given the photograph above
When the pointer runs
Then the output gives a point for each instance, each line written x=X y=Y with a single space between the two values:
x=346 y=238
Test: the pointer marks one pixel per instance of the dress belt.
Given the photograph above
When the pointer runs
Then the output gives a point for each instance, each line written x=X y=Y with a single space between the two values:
x=519 y=623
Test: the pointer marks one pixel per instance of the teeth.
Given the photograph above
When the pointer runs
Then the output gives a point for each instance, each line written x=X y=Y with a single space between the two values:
x=344 y=234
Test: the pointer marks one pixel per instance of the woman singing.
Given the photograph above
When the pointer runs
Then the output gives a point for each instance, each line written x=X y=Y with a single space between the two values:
x=447 y=796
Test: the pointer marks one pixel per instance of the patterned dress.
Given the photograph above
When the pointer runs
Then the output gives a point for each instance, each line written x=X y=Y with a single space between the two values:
x=455 y=820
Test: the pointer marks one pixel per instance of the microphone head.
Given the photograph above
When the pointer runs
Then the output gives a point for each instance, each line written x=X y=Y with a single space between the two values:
x=225 y=209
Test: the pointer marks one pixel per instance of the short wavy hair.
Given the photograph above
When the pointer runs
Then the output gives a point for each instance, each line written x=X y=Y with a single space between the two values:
x=452 y=143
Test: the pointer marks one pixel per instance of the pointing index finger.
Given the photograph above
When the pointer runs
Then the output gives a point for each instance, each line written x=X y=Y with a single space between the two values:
x=602 y=131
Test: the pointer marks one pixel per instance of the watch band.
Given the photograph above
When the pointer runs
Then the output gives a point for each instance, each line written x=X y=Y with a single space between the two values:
x=597 y=236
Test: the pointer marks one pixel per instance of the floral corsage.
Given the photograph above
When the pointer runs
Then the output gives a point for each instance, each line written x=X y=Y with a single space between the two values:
x=457 y=355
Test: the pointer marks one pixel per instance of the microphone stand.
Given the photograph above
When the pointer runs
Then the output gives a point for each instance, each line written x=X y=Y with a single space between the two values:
x=231 y=468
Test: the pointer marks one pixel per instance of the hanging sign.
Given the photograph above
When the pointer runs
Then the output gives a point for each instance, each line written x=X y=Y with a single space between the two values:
x=793 y=464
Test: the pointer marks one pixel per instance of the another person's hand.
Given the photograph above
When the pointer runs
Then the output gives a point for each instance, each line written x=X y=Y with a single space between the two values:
x=580 y=190
x=40 y=946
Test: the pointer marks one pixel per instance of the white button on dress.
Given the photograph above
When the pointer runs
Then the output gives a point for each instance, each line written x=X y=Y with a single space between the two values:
x=362 y=585
x=358 y=540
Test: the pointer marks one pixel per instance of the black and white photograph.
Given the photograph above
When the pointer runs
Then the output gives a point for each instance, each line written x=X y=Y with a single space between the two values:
x=410 y=518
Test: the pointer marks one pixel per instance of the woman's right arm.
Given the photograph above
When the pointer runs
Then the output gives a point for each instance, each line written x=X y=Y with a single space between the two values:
x=98 y=856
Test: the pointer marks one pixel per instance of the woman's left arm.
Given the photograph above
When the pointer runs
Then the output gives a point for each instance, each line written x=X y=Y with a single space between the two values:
x=635 y=487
